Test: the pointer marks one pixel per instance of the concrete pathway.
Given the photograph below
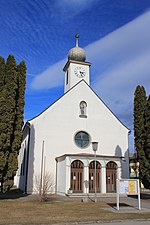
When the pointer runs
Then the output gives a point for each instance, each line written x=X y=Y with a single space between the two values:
x=120 y=222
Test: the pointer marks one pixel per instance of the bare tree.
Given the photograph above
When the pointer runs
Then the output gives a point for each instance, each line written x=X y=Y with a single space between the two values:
x=43 y=189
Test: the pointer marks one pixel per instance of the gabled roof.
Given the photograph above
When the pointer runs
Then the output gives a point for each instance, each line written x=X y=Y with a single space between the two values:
x=28 y=122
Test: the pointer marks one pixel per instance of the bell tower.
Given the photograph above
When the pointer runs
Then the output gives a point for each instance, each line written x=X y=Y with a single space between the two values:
x=76 y=67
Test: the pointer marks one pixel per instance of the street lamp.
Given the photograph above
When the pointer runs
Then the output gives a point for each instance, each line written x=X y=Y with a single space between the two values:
x=95 y=146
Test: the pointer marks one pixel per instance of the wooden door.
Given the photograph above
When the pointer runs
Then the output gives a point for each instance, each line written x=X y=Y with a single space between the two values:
x=111 y=175
x=77 y=176
x=92 y=177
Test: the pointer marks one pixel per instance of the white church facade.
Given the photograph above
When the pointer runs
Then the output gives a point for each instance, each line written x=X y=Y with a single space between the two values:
x=59 y=139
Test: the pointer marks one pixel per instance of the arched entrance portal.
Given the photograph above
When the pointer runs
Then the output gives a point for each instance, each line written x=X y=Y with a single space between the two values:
x=92 y=176
x=111 y=175
x=77 y=176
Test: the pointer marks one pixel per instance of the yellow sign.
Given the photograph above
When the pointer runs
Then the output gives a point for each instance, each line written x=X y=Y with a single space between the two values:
x=132 y=187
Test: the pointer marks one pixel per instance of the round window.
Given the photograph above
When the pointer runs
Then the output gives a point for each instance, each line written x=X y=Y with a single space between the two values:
x=82 y=139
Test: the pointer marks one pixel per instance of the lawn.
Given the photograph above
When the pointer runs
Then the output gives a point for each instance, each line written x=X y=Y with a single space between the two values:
x=56 y=211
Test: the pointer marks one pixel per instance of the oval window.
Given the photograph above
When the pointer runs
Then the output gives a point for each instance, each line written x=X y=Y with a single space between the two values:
x=82 y=139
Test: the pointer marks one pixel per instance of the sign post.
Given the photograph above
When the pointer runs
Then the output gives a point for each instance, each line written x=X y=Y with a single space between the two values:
x=139 y=198
x=129 y=187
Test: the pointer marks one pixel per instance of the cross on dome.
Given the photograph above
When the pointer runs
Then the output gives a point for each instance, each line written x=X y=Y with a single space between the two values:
x=77 y=39
x=77 y=53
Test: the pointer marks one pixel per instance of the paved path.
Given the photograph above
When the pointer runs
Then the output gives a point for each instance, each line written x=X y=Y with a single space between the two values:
x=127 y=222
x=116 y=222
x=128 y=203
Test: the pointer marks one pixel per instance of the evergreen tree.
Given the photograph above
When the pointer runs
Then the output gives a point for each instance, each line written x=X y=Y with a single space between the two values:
x=2 y=116
x=12 y=119
x=19 y=119
x=147 y=128
x=2 y=73
x=140 y=134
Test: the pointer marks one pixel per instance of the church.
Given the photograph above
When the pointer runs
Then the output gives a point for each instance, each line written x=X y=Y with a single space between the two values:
x=60 y=139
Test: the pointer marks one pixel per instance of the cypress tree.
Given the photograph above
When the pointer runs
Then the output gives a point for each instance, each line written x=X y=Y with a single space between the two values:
x=11 y=89
x=2 y=73
x=146 y=181
x=3 y=125
x=147 y=128
x=19 y=119
x=14 y=88
x=140 y=134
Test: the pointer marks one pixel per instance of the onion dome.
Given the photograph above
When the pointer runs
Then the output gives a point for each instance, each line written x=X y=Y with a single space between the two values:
x=77 y=53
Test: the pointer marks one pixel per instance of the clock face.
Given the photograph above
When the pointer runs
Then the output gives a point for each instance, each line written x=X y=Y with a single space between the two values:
x=79 y=71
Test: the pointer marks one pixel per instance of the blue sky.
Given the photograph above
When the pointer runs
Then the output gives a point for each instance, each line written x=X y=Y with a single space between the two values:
x=114 y=33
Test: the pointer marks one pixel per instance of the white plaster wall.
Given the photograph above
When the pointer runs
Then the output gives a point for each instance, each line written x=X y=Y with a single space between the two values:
x=59 y=123
x=61 y=177
x=68 y=173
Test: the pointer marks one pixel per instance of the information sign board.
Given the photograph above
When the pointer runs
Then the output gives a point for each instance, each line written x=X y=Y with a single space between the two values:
x=128 y=187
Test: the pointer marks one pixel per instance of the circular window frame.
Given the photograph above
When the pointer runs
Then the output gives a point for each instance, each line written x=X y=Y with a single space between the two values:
x=80 y=145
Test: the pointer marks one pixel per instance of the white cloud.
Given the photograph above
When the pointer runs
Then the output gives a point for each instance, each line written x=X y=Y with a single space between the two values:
x=50 y=78
x=122 y=79
x=70 y=8
x=72 y=4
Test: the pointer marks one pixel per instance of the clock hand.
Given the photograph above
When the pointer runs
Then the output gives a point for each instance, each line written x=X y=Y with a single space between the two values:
x=83 y=74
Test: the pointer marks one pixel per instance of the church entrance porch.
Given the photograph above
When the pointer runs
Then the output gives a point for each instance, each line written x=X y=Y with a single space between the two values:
x=75 y=174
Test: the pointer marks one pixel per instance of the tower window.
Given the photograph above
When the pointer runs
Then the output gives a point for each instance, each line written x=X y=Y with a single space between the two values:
x=67 y=78
x=83 y=109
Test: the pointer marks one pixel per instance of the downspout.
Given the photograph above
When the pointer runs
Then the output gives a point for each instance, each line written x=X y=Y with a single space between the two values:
x=27 y=161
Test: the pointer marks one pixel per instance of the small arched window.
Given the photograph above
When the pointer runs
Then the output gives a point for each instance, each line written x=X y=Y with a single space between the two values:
x=83 y=109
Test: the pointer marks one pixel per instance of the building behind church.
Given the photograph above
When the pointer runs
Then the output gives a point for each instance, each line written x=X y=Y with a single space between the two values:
x=64 y=133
